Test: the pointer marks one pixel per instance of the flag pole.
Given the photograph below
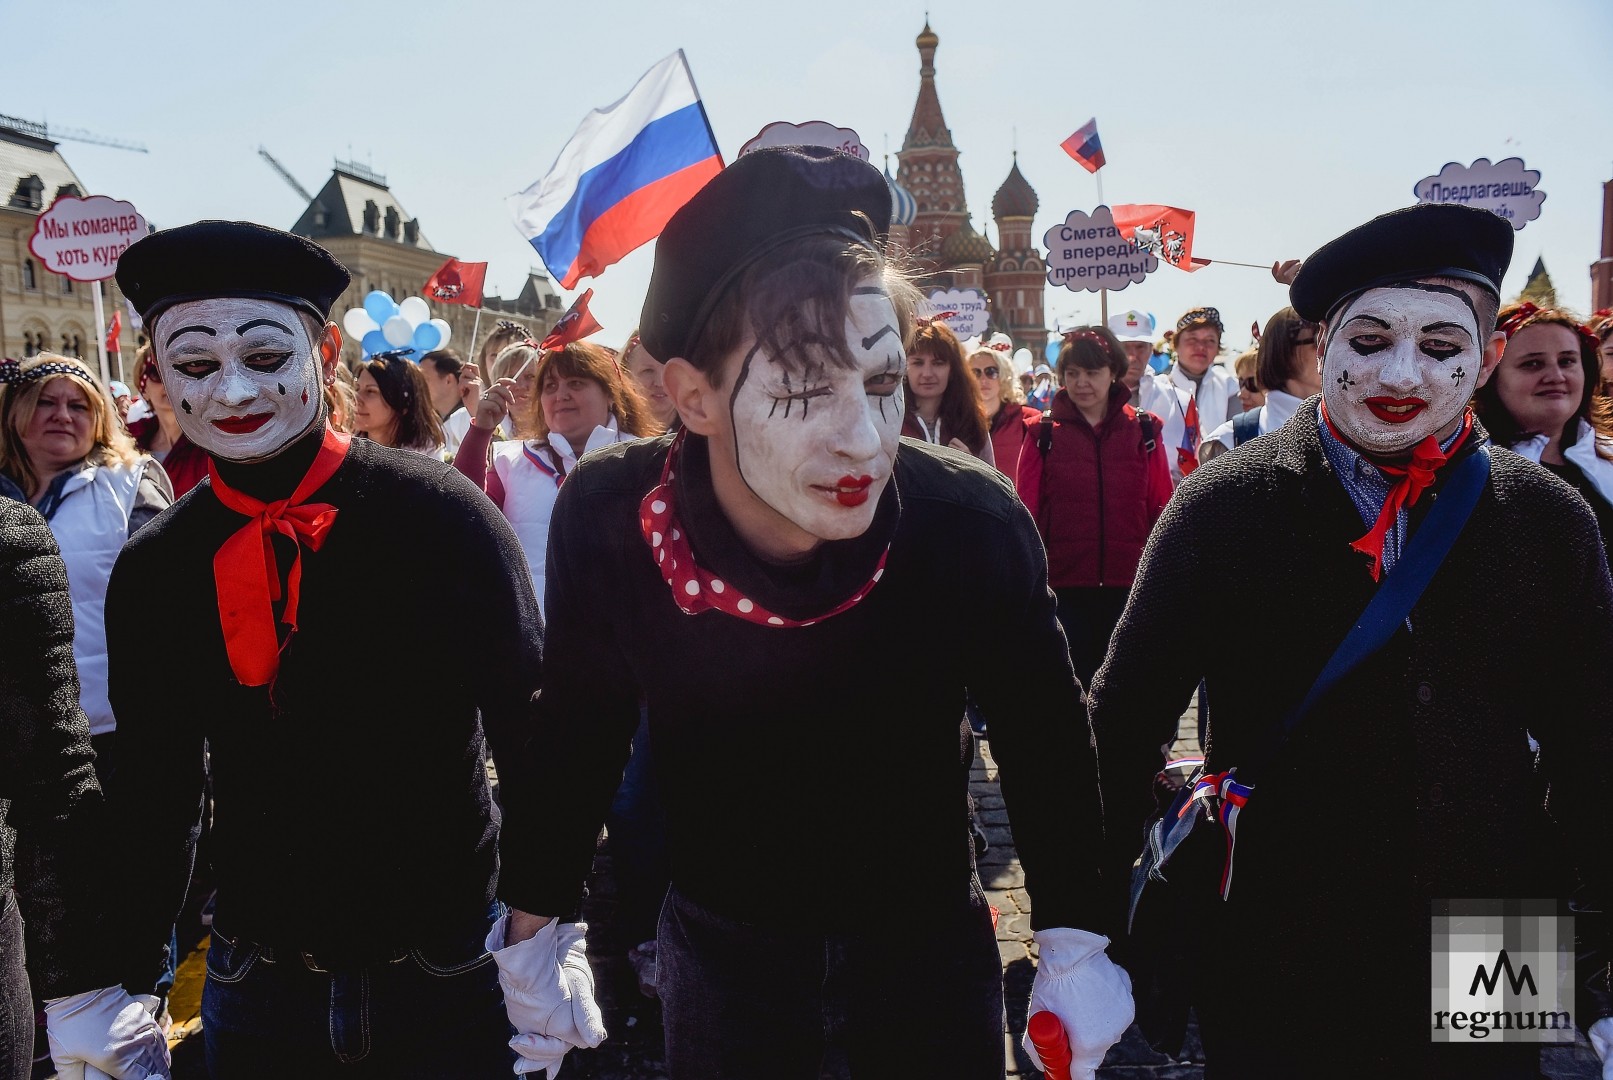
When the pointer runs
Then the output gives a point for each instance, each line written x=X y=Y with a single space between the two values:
x=700 y=101
x=475 y=325
x=1228 y=262
x=100 y=335
x=1103 y=294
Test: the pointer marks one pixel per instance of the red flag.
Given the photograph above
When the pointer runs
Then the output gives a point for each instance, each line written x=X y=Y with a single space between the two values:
x=1165 y=231
x=112 y=333
x=576 y=324
x=456 y=282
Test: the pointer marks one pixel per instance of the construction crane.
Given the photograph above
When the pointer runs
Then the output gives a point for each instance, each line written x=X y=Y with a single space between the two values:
x=55 y=134
x=285 y=174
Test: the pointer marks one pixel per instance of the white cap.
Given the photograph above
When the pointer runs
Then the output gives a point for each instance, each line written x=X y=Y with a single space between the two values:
x=1132 y=326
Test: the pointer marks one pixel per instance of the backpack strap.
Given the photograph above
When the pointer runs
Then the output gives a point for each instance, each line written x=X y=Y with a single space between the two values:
x=1245 y=426
x=1150 y=431
x=1044 y=433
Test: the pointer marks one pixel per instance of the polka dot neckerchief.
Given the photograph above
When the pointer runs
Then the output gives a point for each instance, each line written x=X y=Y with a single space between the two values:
x=694 y=589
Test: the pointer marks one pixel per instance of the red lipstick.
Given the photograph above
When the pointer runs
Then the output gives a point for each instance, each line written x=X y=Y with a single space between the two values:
x=852 y=490
x=1395 y=410
x=242 y=425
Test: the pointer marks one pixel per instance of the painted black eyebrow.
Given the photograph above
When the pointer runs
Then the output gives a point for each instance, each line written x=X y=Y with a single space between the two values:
x=868 y=342
x=244 y=327
x=208 y=330
x=1431 y=327
x=1370 y=319
x=868 y=290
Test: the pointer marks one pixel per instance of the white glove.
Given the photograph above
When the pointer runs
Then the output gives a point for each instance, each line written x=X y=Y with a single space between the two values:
x=1077 y=982
x=1601 y=1035
x=109 y=1031
x=548 y=993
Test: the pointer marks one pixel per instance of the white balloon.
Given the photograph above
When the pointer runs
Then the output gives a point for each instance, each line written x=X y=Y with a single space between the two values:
x=414 y=309
x=397 y=331
x=1022 y=361
x=447 y=331
x=357 y=323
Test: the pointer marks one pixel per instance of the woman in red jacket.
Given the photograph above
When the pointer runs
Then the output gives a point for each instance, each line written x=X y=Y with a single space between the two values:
x=1095 y=479
x=1006 y=412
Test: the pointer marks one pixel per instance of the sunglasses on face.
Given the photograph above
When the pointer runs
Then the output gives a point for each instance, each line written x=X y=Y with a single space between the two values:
x=986 y=372
x=1249 y=385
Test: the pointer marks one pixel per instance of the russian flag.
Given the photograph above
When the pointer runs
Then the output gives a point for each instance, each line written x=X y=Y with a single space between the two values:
x=626 y=171
x=1084 y=146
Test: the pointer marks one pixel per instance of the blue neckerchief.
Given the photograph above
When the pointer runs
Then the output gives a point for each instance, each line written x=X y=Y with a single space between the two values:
x=1368 y=487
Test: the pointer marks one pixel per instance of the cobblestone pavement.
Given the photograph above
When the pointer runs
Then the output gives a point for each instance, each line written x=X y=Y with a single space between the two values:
x=633 y=1051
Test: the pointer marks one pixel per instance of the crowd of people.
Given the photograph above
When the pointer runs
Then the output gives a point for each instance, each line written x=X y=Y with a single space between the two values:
x=717 y=540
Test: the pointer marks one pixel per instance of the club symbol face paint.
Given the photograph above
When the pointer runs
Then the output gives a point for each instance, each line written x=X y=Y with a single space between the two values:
x=1390 y=369
x=228 y=356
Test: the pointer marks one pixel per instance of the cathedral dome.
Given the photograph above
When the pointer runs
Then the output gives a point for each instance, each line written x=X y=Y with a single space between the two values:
x=904 y=208
x=1015 y=198
x=965 y=247
x=927 y=38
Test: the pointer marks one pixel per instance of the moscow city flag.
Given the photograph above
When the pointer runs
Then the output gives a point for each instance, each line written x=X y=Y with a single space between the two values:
x=577 y=323
x=1165 y=231
x=456 y=282
x=1084 y=146
x=629 y=167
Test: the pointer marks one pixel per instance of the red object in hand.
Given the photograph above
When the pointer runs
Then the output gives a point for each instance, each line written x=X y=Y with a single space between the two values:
x=1052 y=1045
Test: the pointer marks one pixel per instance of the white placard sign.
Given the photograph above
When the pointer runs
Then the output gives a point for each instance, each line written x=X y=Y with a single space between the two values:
x=1087 y=253
x=969 y=308
x=83 y=238
x=1505 y=188
x=811 y=133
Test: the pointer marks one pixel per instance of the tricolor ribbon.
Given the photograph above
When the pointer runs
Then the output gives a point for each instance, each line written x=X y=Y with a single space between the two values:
x=1223 y=798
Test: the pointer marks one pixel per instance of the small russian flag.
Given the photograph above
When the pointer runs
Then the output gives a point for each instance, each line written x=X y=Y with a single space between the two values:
x=625 y=172
x=1084 y=146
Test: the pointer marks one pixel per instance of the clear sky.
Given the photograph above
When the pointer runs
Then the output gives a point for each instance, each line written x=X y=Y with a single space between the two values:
x=1281 y=123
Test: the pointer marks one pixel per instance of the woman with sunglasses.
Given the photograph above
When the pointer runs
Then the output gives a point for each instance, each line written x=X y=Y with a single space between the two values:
x=1286 y=365
x=158 y=433
x=1004 y=401
x=1542 y=402
x=1095 y=476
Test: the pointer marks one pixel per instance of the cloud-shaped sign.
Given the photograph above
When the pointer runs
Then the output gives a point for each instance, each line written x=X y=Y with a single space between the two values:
x=811 y=133
x=83 y=238
x=968 y=307
x=1505 y=188
x=1088 y=253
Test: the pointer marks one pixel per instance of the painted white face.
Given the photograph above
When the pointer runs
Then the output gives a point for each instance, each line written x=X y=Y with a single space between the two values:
x=243 y=375
x=1401 y=364
x=818 y=445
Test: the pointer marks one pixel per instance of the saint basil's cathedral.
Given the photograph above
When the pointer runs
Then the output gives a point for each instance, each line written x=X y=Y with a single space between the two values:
x=931 y=221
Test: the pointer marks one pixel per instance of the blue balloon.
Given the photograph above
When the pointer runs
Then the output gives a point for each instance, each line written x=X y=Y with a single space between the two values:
x=374 y=342
x=1052 y=351
x=380 y=307
x=426 y=337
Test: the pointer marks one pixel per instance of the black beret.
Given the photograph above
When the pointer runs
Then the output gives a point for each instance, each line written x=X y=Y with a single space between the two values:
x=760 y=202
x=210 y=259
x=1427 y=240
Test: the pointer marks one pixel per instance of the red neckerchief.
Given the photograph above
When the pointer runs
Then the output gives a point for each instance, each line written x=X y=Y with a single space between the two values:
x=694 y=589
x=1415 y=475
x=245 y=569
x=557 y=475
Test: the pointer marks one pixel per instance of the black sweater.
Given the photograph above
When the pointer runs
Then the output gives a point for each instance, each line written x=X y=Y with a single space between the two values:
x=352 y=813
x=769 y=818
x=49 y=798
x=1412 y=780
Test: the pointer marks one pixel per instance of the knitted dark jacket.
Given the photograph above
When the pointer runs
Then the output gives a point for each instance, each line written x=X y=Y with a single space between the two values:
x=1411 y=781
x=351 y=810
x=49 y=800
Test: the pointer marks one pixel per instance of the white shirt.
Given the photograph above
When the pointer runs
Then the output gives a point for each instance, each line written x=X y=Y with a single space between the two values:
x=453 y=430
x=1274 y=414
x=1597 y=469
x=1167 y=397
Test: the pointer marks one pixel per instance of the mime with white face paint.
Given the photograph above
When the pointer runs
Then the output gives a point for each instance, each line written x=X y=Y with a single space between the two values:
x=1412 y=780
x=784 y=574
x=355 y=844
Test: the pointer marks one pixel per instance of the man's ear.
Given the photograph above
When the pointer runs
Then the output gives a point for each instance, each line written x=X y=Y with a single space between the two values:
x=330 y=351
x=1492 y=357
x=692 y=395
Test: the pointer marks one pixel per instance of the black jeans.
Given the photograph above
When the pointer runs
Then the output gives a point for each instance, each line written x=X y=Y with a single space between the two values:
x=921 y=997
x=16 y=1003
x=271 y=1013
